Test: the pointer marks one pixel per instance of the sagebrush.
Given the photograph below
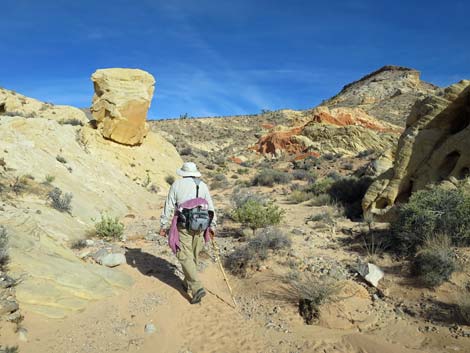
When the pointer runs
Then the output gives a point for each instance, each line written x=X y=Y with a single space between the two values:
x=59 y=201
x=255 y=214
x=109 y=227
x=269 y=177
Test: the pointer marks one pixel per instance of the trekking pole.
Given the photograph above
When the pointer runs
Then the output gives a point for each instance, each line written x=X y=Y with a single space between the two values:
x=217 y=257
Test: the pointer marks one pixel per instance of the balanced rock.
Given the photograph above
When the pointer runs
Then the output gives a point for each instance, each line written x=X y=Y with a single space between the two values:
x=433 y=149
x=121 y=102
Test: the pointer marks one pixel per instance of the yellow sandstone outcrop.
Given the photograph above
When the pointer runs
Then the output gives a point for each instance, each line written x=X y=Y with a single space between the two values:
x=433 y=149
x=121 y=102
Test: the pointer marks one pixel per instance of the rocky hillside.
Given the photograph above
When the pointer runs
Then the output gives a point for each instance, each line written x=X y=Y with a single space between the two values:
x=387 y=94
x=57 y=175
x=369 y=114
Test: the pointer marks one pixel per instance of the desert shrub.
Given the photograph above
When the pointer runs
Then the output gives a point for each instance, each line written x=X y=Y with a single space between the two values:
x=234 y=176
x=60 y=202
x=307 y=163
x=309 y=292
x=320 y=200
x=242 y=171
x=299 y=196
x=49 y=179
x=269 y=177
x=210 y=166
x=220 y=177
x=365 y=153
x=108 y=227
x=3 y=247
x=220 y=182
x=186 y=151
x=435 y=261
x=242 y=195
x=170 y=179
x=60 y=159
x=19 y=185
x=219 y=160
x=319 y=187
x=329 y=156
x=432 y=211
x=348 y=166
x=71 y=121
x=256 y=250
x=9 y=349
x=301 y=174
x=255 y=214
x=349 y=192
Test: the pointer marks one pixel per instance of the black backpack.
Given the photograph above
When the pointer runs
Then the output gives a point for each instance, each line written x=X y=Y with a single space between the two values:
x=197 y=218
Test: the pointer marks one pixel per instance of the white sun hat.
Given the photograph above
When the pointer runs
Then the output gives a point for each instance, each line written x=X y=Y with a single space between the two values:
x=188 y=169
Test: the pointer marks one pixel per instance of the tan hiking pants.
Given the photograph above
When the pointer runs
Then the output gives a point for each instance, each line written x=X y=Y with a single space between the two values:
x=191 y=244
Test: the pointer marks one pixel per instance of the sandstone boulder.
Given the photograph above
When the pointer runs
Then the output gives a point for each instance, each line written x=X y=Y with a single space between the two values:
x=121 y=102
x=432 y=149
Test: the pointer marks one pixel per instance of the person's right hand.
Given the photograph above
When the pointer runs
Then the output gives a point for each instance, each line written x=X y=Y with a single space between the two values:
x=163 y=233
x=212 y=233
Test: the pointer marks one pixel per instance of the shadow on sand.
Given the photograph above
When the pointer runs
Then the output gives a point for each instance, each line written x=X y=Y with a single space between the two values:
x=150 y=265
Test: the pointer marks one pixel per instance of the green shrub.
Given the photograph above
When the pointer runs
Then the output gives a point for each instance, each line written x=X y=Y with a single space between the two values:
x=255 y=214
x=321 y=200
x=433 y=211
x=249 y=256
x=242 y=171
x=186 y=151
x=71 y=121
x=269 y=177
x=170 y=179
x=60 y=202
x=319 y=187
x=49 y=179
x=9 y=349
x=108 y=227
x=435 y=262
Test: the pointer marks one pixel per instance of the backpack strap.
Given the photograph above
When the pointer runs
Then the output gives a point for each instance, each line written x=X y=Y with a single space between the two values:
x=197 y=181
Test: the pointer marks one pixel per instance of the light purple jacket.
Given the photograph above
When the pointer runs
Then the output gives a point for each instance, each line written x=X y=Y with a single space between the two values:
x=174 y=236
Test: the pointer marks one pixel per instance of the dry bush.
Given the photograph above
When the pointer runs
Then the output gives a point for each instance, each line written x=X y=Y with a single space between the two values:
x=269 y=177
x=60 y=202
x=435 y=262
x=299 y=196
x=170 y=179
x=309 y=292
x=249 y=256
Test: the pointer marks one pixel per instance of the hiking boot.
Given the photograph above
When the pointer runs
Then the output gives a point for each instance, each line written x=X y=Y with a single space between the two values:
x=198 y=296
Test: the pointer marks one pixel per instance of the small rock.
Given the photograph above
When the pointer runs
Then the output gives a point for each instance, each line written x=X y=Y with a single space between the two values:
x=84 y=254
x=149 y=329
x=8 y=306
x=371 y=273
x=89 y=242
x=6 y=281
x=23 y=334
x=97 y=256
x=112 y=260
x=298 y=231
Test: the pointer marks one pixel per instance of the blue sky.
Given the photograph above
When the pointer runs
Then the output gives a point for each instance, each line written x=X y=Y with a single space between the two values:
x=227 y=57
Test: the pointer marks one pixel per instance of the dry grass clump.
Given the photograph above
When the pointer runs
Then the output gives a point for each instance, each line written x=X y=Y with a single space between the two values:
x=250 y=256
x=435 y=262
x=309 y=292
x=170 y=179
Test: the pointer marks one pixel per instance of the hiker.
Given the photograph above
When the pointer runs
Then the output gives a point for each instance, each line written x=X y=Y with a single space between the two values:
x=188 y=219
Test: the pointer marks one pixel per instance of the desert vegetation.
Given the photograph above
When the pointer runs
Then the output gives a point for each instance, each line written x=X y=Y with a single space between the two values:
x=108 y=227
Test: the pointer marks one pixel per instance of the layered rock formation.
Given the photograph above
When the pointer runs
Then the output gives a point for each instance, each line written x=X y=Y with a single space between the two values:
x=343 y=130
x=15 y=104
x=121 y=102
x=433 y=148
x=102 y=176
x=387 y=94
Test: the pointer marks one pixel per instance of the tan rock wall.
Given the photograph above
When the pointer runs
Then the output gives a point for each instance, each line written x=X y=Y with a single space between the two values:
x=433 y=148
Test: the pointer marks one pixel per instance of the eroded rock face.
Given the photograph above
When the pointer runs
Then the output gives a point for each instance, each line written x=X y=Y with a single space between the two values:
x=341 y=130
x=121 y=102
x=434 y=148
